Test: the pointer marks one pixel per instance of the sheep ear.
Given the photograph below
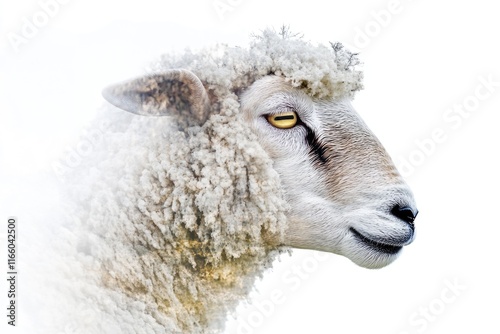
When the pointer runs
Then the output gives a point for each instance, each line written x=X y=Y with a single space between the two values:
x=178 y=93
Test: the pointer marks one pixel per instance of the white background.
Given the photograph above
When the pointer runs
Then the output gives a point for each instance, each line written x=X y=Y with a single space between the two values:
x=423 y=59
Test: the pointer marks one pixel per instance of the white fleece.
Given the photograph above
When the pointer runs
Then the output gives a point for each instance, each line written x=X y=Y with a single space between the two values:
x=168 y=228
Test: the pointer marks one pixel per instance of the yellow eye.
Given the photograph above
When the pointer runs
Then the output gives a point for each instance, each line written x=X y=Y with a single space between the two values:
x=285 y=120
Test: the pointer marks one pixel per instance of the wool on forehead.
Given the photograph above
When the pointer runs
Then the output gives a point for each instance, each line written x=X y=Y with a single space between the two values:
x=320 y=71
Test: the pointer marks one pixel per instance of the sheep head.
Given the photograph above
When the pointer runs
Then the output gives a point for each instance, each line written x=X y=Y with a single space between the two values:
x=344 y=193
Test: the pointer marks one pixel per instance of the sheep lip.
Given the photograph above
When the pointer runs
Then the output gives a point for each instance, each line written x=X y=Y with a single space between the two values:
x=376 y=245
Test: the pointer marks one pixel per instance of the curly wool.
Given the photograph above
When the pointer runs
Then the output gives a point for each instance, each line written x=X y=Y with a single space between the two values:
x=176 y=225
x=179 y=220
x=322 y=72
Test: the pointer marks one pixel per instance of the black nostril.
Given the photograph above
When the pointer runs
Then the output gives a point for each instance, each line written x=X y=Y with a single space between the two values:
x=404 y=213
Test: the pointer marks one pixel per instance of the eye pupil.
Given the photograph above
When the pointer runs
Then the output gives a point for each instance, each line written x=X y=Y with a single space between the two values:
x=284 y=120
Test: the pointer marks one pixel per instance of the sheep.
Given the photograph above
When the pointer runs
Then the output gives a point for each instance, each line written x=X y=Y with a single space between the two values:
x=259 y=152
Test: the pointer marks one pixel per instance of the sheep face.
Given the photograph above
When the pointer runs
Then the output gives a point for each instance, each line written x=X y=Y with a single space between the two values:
x=344 y=193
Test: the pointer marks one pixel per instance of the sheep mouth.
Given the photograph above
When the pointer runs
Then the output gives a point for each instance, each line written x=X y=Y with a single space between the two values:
x=375 y=245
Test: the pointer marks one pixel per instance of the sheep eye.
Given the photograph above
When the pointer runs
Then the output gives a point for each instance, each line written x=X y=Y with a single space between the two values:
x=285 y=120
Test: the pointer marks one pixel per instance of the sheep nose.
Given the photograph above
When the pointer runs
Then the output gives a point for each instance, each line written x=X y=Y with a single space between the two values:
x=405 y=213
